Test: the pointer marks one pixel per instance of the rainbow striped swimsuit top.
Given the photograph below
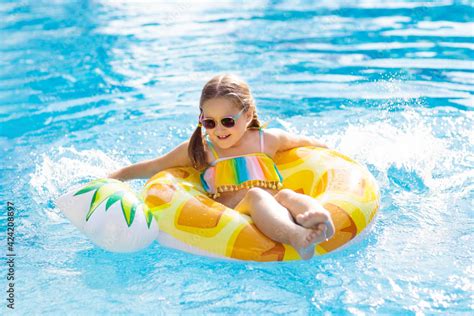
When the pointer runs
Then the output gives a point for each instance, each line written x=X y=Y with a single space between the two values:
x=239 y=172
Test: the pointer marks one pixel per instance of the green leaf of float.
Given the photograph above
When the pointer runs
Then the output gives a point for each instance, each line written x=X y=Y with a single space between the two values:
x=129 y=207
x=93 y=185
x=103 y=192
x=91 y=208
x=114 y=198
x=113 y=191
x=148 y=215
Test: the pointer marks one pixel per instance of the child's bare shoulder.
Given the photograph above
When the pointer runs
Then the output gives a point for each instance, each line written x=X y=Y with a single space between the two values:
x=272 y=138
x=273 y=134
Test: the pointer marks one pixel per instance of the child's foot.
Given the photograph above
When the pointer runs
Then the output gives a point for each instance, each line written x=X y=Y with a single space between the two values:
x=304 y=241
x=318 y=219
x=310 y=213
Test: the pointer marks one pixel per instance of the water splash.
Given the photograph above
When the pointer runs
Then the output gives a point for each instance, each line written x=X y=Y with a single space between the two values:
x=65 y=167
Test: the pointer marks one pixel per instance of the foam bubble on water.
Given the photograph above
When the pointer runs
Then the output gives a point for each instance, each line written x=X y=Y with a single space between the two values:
x=65 y=167
x=417 y=166
x=411 y=147
x=420 y=159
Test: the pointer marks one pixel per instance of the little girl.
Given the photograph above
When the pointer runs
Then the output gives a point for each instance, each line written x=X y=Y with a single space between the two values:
x=235 y=146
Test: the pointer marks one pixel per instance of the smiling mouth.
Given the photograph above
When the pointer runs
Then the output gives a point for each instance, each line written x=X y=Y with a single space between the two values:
x=223 y=137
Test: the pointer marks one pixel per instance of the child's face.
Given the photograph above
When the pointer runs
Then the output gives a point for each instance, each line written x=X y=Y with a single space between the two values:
x=219 y=108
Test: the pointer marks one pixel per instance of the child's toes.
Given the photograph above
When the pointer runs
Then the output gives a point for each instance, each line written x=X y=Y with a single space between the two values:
x=301 y=218
x=321 y=228
x=311 y=218
x=312 y=236
x=330 y=229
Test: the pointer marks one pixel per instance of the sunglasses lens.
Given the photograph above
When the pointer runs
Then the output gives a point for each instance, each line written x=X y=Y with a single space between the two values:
x=228 y=122
x=209 y=124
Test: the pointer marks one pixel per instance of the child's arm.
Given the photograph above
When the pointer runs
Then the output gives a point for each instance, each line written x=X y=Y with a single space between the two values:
x=178 y=157
x=287 y=141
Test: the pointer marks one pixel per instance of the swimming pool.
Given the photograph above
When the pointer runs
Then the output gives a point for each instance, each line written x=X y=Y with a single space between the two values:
x=86 y=88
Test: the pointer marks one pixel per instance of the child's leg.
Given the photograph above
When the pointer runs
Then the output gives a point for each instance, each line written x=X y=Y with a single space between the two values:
x=276 y=223
x=306 y=211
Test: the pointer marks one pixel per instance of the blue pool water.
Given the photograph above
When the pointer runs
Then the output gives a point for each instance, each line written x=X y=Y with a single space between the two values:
x=87 y=87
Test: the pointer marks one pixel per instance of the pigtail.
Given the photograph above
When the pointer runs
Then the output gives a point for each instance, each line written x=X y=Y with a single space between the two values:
x=255 y=123
x=196 y=151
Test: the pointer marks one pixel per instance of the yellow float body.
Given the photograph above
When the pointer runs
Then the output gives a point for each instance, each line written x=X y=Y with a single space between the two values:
x=189 y=220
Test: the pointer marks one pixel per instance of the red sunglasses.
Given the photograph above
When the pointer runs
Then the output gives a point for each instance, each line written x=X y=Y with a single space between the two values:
x=228 y=121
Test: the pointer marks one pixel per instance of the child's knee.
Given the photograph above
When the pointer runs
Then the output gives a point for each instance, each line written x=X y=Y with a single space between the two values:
x=255 y=194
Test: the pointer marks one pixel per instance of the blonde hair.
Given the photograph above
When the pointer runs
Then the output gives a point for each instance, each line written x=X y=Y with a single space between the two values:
x=221 y=86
